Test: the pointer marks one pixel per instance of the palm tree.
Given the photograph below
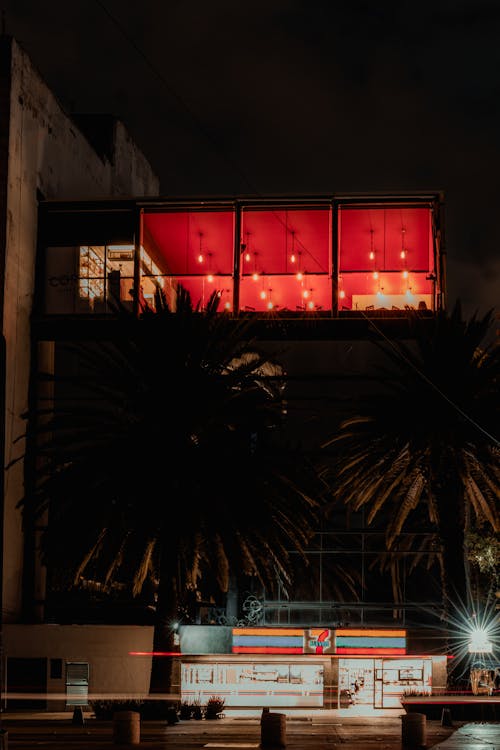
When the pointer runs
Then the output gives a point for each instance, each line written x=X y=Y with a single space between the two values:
x=161 y=459
x=425 y=444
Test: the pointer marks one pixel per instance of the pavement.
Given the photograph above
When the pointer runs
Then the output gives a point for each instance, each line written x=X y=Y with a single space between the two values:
x=316 y=730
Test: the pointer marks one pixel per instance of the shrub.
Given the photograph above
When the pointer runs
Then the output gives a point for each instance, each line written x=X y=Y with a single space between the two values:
x=214 y=707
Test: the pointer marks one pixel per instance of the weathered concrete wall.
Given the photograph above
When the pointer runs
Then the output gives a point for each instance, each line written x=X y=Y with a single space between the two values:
x=113 y=672
x=48 y=155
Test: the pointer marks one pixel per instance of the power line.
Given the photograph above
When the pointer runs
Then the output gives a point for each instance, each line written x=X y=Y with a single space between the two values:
x=196 y=120
x=429 y=382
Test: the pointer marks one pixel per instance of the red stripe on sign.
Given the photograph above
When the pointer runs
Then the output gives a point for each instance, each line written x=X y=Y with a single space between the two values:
x=372 y=651
x=266 y=650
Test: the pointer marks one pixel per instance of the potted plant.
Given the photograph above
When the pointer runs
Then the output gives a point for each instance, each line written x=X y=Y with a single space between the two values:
x=214 y=707
x=197 y=712
x=185 y=710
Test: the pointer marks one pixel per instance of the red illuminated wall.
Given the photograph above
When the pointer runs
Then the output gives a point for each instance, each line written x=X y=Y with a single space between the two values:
x=286 y=258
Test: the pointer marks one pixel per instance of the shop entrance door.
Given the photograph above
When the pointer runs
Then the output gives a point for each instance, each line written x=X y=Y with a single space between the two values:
x=356 y=677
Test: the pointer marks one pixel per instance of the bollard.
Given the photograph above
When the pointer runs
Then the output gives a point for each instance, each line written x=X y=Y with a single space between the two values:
x=446 y=718
x=126 y=728
x=413 y=730
x=78 y=720
x=272 y=730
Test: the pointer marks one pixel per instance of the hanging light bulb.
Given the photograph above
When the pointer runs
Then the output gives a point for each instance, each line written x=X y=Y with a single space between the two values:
x=201 y=257
x=263 y=295
x=227 y=305
x=342 y=294
x=210 y=278
x=310 y=305
x=375 y=274
x=247 y=257
x=292 y=254
x=402 y=254
x=305 y=293
x=255 y=276
x=405 y=274
x=372 y=251
x=299 y=276
x=270 y=305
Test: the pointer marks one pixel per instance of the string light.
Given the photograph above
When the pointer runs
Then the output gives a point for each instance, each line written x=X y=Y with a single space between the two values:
x=372 y=251
x=292 y=255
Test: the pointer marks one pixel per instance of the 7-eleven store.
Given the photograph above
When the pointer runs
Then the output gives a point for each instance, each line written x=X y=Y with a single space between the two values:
x=295 y=667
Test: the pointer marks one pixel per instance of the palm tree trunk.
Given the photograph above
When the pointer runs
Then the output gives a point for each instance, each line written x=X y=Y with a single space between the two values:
x=454 y=579
x=165 y=667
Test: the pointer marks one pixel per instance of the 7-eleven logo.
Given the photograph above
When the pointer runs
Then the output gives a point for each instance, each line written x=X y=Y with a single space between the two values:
x=321 y=641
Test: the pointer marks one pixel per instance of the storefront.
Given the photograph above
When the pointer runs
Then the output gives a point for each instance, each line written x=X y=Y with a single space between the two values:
x=295 y=667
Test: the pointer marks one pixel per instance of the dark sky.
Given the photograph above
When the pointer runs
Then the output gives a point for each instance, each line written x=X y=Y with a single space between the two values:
x=297 y=96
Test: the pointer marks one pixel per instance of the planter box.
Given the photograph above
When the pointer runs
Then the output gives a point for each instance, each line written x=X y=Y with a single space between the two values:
x=461 y=709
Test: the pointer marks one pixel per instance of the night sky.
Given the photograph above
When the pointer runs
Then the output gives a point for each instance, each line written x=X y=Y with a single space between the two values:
x=297 y=97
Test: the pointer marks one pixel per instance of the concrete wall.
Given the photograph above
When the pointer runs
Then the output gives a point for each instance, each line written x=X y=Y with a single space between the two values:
x=112 y=671
x=48 y=156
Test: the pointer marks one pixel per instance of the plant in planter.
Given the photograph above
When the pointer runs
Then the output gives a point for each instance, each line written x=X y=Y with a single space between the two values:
x=185 y=710
x=197 y=712
x=214 y=707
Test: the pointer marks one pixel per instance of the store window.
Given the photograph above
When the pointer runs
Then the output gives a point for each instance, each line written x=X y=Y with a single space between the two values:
x=192 y=248
x=285 y=260
x=385 y=259
x=88 y=279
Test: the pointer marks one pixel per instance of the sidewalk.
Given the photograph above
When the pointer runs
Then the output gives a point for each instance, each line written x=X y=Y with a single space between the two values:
x=318 y=730
x=476 y=736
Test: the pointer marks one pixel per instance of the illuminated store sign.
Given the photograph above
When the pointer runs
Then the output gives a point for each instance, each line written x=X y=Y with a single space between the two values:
x=318 y=641
x=374 y=642
x=268 y=641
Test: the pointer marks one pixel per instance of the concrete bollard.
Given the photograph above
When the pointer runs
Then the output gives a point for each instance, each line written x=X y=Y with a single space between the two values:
x=413 y=730
x=446 y=718
x=272 y=729
x=126 y=728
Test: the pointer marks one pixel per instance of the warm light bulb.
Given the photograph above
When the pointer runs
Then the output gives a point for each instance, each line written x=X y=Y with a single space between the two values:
x=255 y=276
x=379 y=293
x=299 y=276
x=270 y=305
x=405 y=274
x=372 y=255
x=403 y=254
x=247 y=257
x=375 y=274
x=305 y=294
x=292 y=258
x=200 y=258
x=210 y=278
x=342 y=294
x=310 y=305
x=227 y=305
x=263 y=295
